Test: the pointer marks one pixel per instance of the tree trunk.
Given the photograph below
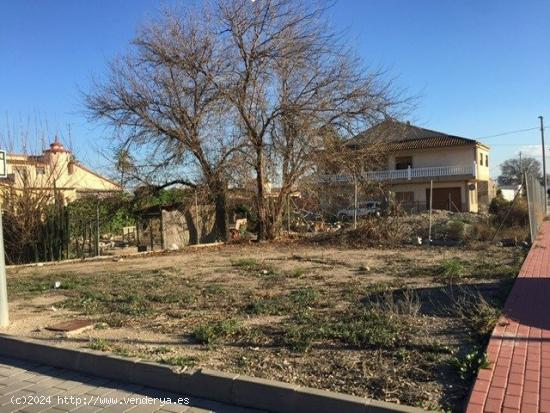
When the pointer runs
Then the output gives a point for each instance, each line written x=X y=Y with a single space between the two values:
x=274 y=229
x=263 y=215
x=218 y=191
x=220 y=223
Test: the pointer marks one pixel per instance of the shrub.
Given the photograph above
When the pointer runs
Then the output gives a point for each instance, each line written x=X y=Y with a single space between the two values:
x=498 y=204
x=270 y=305
x=482 y=231
x=469 y=365
x=100 y=344
x=511 y=215
x=371 y=328
x=403 y=302
x=479 y=317
x=455 y=230
x=211 y=332
x=450 y=269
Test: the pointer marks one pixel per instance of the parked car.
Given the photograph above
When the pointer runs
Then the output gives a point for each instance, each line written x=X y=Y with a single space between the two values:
x=363 y=209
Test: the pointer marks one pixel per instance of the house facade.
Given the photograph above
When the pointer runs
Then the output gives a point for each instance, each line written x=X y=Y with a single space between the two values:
x=55 y=172
x=415 y=158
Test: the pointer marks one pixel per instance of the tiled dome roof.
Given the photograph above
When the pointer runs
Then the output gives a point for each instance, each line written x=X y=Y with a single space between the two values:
x=57 y=146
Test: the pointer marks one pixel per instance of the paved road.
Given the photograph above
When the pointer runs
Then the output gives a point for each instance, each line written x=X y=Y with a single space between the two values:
x=32 y=388
x=518 y=378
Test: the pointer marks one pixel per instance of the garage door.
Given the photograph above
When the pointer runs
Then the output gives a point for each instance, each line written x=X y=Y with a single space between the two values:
x=446 y=198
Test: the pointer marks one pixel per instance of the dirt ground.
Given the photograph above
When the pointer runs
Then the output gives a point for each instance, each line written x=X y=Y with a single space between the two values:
x=393 y=324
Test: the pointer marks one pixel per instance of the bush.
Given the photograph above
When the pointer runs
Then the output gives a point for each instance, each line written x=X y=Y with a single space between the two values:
x=211 y=332
x=450 y=269
x=455 y=230
x=482 y=231
x=511 y=215
x=469 y=365
x=371 y=328
x=477 y=315
x=100 y=344
x=498 y=204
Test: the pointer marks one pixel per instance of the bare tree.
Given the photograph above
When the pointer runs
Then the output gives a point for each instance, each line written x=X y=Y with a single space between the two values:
x=289 y=78
x=163 y=99
x=253 y=83
x=254 y=36
x=512 y=170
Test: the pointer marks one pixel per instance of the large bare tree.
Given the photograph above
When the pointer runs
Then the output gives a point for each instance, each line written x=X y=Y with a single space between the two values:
x=257 y=81
x=163 y=100
x=289 y=78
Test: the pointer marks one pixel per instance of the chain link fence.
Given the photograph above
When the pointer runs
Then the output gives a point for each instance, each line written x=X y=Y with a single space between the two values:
x=536 y=200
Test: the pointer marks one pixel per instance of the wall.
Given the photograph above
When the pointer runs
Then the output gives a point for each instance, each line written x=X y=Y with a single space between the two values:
x=175 y=229
x=424 y=158
x=483 y=170
x=59 y=171
x=451 y=156
x=178 y=227
x=469 y=198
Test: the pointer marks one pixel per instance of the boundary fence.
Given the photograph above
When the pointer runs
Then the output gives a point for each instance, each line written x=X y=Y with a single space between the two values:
x=536 y=200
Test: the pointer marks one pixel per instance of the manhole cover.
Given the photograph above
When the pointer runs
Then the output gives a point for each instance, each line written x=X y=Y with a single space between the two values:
x=71 y=326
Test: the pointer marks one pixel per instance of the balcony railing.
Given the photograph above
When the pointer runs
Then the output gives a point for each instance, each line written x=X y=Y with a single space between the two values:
x=409 y=173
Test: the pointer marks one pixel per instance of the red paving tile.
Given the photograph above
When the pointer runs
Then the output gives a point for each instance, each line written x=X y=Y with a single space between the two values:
x=519 y=350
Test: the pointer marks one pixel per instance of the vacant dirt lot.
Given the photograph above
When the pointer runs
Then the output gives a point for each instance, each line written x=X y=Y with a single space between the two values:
x=403 y=325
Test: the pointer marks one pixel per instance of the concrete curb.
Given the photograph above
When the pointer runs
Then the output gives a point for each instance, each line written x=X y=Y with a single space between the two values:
x=269 y=395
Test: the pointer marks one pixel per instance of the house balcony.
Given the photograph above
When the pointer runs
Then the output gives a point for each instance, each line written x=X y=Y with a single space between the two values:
x=433 y=172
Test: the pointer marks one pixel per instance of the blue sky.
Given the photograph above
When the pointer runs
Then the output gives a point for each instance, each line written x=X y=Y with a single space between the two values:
x=478 y=67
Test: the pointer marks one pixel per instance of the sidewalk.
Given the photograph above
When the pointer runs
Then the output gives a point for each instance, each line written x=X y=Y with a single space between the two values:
x=519 y=349
x=28 y=387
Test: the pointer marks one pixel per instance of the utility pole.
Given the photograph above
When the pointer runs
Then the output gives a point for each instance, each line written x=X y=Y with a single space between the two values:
x=544 y=166
x=4 y=315
x=521 y=168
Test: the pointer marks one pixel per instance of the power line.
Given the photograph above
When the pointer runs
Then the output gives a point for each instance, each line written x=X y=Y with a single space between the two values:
x=508 y=133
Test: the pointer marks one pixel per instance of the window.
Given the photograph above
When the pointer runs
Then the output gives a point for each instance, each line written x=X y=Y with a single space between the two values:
x=480 y=159
x=403 y=162
x=404 y=197
x=486 y=160
x=40 y=170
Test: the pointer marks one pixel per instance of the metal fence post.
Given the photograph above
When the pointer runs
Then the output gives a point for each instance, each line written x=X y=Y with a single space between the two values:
x=431 y=197
x=4 y=315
